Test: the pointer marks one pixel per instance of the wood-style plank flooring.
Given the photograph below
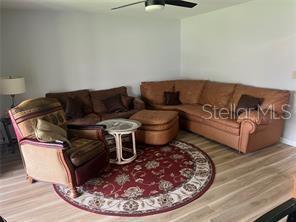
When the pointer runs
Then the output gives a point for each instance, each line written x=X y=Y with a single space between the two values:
x=245 y=187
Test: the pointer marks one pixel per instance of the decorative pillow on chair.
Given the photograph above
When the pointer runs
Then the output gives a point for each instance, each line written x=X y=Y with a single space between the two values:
x=49 y=132
x=172 y=98
x=114 y=104
x=74 y=108
x=127 y=101
x=247 y=102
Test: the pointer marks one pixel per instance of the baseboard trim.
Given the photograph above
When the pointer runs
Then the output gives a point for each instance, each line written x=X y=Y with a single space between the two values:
x=289 y=142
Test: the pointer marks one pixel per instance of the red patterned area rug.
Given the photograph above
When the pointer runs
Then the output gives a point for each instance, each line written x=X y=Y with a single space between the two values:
x=159 y=180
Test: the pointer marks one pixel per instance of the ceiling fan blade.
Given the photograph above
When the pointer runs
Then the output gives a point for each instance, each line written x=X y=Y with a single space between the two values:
x=123 y=6
x=180 y=3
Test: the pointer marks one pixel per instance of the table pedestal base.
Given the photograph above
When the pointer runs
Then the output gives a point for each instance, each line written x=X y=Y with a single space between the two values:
x=119 y=149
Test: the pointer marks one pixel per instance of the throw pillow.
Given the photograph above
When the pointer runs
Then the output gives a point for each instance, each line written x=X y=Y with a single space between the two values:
x=74 y=108
x=247 y=103
x=114 y=104
x=49 y=132
x=127 y=101
x=172 y=98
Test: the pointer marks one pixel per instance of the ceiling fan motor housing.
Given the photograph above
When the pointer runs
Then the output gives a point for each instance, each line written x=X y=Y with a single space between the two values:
x=153 y=5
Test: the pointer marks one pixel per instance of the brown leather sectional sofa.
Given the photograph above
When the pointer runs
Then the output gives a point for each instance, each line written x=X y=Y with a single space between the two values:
x=93 y=106
x=199 y=99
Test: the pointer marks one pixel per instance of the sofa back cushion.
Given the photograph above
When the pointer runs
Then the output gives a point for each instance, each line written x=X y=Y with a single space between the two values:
x=98 y=96
x=82 y=95
x=272 y=98
x=153 y=92
x=190 y=90
x=217 y=94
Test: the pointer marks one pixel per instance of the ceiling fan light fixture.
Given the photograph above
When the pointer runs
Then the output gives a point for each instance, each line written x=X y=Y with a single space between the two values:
x=152 y=8
x=154 y=5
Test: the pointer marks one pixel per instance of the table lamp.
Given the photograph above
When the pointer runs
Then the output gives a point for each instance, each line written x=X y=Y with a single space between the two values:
x=12 y=85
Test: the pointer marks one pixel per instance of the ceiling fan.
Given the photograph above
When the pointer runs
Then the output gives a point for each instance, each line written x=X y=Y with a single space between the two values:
x=153 y=5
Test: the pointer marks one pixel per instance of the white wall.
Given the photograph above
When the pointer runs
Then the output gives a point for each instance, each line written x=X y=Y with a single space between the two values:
x=59 y=51
x=252 y=43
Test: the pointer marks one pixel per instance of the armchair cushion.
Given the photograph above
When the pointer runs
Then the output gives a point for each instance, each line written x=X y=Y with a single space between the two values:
x=49 y=132
x=83 y=150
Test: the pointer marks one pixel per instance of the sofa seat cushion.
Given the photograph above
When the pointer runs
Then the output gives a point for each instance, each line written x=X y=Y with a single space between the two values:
x=154 y=117
x=222 y=124
x=126 y=115
x=195 y=110
x=89 y=119
x=190 y=90
x=83 y=150
x=217 y=94
x=198 y=114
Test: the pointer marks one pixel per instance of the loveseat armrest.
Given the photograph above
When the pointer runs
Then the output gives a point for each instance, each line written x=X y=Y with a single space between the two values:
x=52 y=145
x=93 y=132
x=139 y=104
x=258 y=117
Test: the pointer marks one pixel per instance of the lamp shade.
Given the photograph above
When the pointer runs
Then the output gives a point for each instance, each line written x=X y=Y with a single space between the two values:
x=12 y=85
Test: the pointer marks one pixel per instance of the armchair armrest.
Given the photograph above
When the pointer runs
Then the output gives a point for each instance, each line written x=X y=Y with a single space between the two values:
x=257 y=117
x=93 y=132
x=53 y=145
x=47 y=161
x=139 y=104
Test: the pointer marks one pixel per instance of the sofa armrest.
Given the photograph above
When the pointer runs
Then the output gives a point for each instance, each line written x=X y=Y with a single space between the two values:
x=93 y=132
x=257 y=117
x=139 y=104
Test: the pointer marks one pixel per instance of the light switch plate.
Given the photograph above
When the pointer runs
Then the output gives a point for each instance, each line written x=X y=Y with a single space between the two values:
x=294 y=75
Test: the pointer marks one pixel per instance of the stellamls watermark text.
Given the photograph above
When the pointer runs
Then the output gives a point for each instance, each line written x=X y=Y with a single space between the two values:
x=271 y=111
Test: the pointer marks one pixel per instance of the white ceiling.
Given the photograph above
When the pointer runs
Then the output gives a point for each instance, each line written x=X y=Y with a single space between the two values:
x=104 y=6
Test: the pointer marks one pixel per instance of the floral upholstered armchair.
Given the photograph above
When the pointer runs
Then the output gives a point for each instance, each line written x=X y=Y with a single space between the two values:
x=58 y=162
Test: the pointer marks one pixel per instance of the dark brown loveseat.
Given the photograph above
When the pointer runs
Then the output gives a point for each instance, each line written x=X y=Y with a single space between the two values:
x=93 y=108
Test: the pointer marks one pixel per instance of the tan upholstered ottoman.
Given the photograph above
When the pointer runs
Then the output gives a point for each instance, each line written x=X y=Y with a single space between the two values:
x=158 y=127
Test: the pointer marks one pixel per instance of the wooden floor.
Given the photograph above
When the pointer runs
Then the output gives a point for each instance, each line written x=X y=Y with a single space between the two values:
x=245 y=187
